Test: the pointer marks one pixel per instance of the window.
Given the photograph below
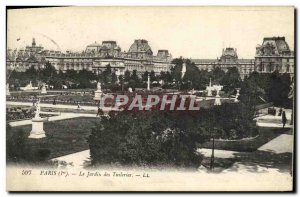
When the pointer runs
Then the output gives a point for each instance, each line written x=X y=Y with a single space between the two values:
x=287 y=68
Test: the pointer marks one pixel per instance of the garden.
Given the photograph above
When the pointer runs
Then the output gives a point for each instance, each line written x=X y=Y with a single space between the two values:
x=63 y=137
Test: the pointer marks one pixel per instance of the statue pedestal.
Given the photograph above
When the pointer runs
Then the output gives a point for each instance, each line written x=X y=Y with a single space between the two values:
x=37 y=131
x=217 y=100
x=98 y=95
x=44 y=91
x=209 y=92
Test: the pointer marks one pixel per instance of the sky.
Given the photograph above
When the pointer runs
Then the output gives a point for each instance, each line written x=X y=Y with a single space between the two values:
x=191 y=32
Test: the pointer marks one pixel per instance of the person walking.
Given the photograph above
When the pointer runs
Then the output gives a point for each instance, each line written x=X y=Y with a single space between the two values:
x=283 y=119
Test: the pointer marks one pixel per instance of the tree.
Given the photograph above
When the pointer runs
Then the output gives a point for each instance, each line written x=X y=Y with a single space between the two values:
x=176 y=70
x=166 y=138
x=134 y=76
x=127 y=76
x=231 y=79
x=270 y=87
x=134 y=80
x=121 y=81
x=48 y=73
x=217 y=74
x=114 y=78
x=152 y=138
x=279 y=89
x=192 y=76
x=106 y=75
x=152 y=76
x=145 y=76
x=84 y=78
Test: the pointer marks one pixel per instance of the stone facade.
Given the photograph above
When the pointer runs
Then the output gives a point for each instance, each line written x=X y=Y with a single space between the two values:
x=23 y=59
x=140 y=49
x=274 y=54
x=107 y=49
x=95 y=58
x=229 y=58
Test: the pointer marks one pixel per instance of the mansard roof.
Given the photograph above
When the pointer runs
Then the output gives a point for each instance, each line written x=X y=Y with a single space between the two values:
x=140 y=46
x=277 y=44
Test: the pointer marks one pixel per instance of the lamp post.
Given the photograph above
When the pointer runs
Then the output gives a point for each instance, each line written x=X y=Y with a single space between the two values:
x=148 y=69
x=148 y=82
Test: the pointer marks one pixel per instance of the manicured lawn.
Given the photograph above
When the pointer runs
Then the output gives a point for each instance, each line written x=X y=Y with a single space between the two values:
x=265 y=135
x=63 y=137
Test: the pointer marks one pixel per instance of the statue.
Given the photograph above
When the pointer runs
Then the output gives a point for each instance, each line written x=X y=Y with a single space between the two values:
x=237 y=95
x=7 y=90
x=183 y=70
x=38 y=109
x=37 y=131
x=98 y=92
x=218 y=88
x=30 y=84
x=99 y=86
x=44 y=91
x=209 y=88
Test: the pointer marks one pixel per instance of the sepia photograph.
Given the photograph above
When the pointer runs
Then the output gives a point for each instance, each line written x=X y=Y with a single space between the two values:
x=150 y=99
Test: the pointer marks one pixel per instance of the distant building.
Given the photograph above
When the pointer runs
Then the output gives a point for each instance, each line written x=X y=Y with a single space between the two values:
x=140 y=49
x=140 y=58
x=107 y=49
x=23 y=59
x=274 y=54
x=229 y=58
x=95 y=58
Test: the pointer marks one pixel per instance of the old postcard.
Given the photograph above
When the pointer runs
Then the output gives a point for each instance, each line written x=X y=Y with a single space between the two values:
x=150 y=99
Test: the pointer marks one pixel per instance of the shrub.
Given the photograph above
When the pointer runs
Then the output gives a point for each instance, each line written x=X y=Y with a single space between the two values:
x=152 y=138
x=148 y=138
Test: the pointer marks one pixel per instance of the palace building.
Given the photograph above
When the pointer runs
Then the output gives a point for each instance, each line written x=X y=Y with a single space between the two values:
x=23 y=59
x=106 y=49
x=229 y=58
x=274 y=54
x=95 y=58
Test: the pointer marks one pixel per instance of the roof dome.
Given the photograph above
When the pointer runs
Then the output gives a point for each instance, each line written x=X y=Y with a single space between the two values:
x=229 y=52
